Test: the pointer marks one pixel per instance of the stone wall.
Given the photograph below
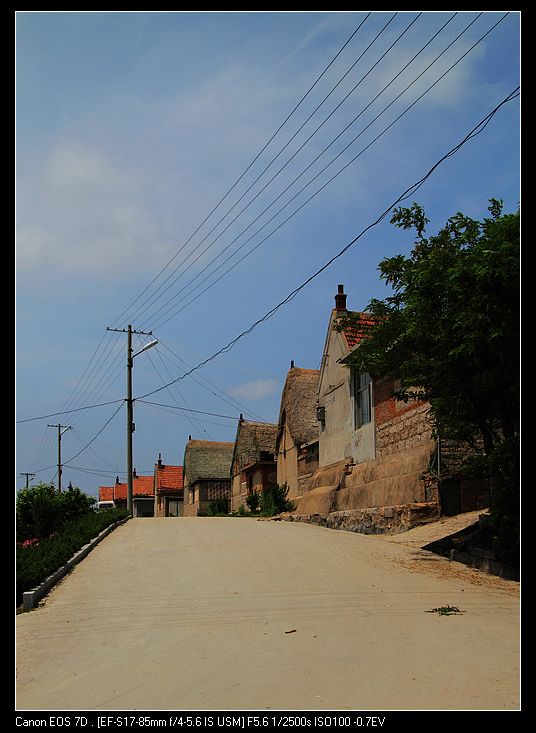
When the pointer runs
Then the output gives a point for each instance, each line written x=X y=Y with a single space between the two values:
x=410 y=428
x=374 y=520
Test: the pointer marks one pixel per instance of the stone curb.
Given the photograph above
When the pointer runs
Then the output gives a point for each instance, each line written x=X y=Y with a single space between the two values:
x=31 y=598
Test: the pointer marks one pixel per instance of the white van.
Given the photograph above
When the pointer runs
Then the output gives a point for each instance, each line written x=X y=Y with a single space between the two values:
x=101 y=505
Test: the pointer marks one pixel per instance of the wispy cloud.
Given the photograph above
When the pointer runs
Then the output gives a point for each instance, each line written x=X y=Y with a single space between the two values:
x=255 y=390
x=84 y=214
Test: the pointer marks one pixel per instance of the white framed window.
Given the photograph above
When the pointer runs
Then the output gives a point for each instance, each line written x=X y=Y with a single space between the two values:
x=362 y=390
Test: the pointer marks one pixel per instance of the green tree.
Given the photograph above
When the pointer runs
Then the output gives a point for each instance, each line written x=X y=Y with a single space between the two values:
x=451 y=329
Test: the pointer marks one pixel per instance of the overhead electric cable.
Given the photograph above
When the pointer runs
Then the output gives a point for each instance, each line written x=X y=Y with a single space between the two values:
x=282 y=168
x=176 y=310
x=68 y=412
x=477 y=130
x=152 y=299
x=95 y=436
x=184 y=409
x=222 y=252
x=295 y=108
x=219 y=393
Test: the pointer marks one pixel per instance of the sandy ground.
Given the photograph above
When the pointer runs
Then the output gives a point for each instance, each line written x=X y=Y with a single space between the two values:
x=237 y=614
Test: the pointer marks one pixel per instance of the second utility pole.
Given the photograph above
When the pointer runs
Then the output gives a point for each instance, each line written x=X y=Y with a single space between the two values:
x=60 y=433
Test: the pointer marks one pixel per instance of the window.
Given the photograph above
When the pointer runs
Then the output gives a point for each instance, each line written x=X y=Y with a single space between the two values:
x=362 y=399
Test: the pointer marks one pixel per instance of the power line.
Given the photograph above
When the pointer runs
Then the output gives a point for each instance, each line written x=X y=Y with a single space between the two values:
x=247 y=169
x=273 y=161
x=96 y=436
x=231 y=401
x=220 y=254
x=68 y=412
x=184 y=409
x=477 y=130
x=198 y=426
x=323 y=186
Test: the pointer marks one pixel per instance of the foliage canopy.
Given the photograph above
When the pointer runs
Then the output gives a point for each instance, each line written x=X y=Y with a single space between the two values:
x=450 y=328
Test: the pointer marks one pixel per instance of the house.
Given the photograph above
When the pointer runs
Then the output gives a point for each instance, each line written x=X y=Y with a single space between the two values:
x=207 y=475
x=297 y=430
x=377 y=455
x=168 y=489
x=142 y=495
x=253 y=464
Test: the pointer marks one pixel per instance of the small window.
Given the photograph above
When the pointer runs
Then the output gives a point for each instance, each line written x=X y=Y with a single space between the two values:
x=362 y=399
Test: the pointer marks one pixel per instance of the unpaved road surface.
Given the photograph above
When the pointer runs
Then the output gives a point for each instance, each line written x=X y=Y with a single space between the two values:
x=238 y=614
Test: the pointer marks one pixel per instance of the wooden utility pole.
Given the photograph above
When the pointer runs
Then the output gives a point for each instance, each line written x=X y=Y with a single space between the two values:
x=60 y=433
x=130 y=418
x=27 y=476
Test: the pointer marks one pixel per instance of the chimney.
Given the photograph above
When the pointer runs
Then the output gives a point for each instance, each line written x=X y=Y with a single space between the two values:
x=159 y=460
x=292 y=364
x=340 y=299
x=189 y=437
x=117 y=479
x=134 y=474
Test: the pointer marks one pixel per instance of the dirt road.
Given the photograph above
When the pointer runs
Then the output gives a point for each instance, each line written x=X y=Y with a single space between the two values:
x=238 y=614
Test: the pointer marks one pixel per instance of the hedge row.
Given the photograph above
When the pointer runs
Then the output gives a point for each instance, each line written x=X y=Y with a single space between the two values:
x=36 y=562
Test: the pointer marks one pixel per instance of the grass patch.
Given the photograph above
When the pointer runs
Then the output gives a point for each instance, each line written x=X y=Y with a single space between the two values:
x=446 y=611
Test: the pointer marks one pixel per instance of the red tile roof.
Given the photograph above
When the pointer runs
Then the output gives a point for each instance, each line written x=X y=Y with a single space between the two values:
x=169 y=478
x=106 y=493
x=356 y=333
x=141 y=486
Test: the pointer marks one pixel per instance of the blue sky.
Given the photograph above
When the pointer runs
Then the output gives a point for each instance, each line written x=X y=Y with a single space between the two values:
x=130 y=129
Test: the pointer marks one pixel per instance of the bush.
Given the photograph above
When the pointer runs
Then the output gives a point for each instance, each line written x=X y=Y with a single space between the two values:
x=41 y=510
x=273 y=500
x=253 y=501
x=218 y=508
x=242 y=511
x=36 y=561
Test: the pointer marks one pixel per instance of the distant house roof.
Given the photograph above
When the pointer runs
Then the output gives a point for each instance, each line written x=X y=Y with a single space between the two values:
x=298 y=405
x=106 y=493
x=168 y=478
x=141 y=486
x=207 y=459
x=252 y=440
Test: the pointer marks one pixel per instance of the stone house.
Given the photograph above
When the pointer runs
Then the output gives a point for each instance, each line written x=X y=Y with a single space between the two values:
x=168 y=490
x=253 y=465
x=297 y=430
x=376 y=454
x=142 y=495
x=206 y=475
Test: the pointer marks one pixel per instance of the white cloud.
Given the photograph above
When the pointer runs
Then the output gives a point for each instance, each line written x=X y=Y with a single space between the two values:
x=84 y=214
x=255 y=390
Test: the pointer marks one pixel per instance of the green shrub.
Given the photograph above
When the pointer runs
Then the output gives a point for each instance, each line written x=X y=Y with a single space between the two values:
x=41 y=510
x=273 y=500
x=253 y=501
x=242 y=511
x=35 y=562
x=218 y=508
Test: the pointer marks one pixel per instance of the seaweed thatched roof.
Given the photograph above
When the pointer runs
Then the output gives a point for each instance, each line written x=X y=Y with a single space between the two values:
x=298 y=405
x=207 y=459
x=252 y=439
